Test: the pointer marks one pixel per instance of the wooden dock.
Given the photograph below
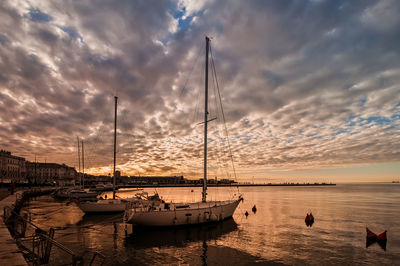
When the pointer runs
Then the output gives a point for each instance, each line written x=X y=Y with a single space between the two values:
x=9 y=252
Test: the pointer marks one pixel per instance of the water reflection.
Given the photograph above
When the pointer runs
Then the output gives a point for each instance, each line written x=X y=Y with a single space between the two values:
x=275 y=233
x=143 y=238
x=381 y=243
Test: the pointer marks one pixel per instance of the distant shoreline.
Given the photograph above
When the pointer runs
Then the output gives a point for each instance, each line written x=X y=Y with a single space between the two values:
x=228 y=185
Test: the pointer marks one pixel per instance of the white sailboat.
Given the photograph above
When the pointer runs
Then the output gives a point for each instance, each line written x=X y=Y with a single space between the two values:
x=173 y=214
x=77 y=193
x=115 y=204
x=106 y=205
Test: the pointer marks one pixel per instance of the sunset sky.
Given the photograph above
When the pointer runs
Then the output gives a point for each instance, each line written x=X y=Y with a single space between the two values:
x=310 y=88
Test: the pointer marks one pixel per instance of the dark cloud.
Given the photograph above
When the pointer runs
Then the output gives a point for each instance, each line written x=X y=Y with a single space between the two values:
x=298 y=79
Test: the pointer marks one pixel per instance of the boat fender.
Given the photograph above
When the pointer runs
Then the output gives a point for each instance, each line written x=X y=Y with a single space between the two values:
x=214 y=217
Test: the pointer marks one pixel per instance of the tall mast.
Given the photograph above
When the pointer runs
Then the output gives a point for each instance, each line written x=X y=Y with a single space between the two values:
x=204 y=195
x=83 y=168
x=79 y=159
x=115 y=142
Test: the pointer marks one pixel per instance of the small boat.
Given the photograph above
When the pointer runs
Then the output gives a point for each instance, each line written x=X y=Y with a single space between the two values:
x=116 y=205
x=254 y=209
x=74 y=193
x=102 y=187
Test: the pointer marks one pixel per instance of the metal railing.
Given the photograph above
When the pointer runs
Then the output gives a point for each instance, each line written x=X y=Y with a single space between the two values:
x=37 y=247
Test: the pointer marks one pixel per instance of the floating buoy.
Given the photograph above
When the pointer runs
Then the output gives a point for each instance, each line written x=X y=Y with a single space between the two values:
x=382 y=236
x=372 y=235
x=309 y=220
x=372 y=238
x=254 y=209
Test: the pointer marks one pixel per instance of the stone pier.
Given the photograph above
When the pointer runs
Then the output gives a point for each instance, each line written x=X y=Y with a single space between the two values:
x=9 y=252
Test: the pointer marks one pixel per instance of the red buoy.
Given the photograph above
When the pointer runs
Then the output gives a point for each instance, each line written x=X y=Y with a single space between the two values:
x=382 y=236
x=371 y=234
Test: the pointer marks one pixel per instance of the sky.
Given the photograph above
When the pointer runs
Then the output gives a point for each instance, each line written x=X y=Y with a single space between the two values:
x=309 y=88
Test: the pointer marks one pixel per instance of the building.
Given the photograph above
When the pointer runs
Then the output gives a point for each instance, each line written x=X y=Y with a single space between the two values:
x=12 y=168
x=49 y=173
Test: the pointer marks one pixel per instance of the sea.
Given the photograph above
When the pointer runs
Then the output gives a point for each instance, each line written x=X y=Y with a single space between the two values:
x=276 y=234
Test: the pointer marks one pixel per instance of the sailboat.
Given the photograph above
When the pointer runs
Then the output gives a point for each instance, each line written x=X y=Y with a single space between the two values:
x=160 y=214
x=77 y=193
x=113 y=205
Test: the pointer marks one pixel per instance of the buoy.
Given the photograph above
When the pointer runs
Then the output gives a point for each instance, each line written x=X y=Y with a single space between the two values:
x=309 y=220
x=372 y=238
x=371 y=234
x=382 y=236
x=254 y=209
x=246 y=213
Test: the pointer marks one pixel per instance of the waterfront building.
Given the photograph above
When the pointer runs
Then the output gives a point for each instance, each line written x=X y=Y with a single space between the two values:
x=50 y=173
x=12 y=168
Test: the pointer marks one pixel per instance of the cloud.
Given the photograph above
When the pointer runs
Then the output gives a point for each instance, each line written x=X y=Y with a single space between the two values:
x=305 y=84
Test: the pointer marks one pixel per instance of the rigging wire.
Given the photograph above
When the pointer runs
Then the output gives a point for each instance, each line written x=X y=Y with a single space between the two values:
x=223 y=114
x=190 y=74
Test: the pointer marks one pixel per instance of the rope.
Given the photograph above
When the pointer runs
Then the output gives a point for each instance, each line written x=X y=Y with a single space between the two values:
x=223 y=113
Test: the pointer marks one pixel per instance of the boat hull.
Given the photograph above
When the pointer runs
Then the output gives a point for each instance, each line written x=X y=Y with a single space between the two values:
x=102 y=206
x=195 y=213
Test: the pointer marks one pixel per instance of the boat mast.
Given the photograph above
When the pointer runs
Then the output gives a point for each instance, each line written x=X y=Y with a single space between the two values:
x=79 y=161
x=83 y=168
x=115 y=142
x=204 y=194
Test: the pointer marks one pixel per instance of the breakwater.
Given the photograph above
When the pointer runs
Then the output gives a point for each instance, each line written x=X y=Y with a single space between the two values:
x=227 y=185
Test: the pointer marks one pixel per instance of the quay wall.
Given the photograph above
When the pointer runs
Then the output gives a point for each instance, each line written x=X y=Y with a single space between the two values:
x=9 y=251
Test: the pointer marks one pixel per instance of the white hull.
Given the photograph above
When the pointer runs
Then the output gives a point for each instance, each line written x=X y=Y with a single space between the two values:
x=74 y=194
x=114 y=205
x=102 y=206
x=174 y=214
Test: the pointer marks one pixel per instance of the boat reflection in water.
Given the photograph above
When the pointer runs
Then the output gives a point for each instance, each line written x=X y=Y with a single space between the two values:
x=142 y=238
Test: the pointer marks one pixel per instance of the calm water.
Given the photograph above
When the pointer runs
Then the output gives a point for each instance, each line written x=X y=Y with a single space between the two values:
x=275 y=235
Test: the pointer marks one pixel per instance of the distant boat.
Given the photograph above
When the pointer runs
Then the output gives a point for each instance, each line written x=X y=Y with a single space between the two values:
x=116 y=205
x=74 y=193
x=102 y=187
x=174 y=214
